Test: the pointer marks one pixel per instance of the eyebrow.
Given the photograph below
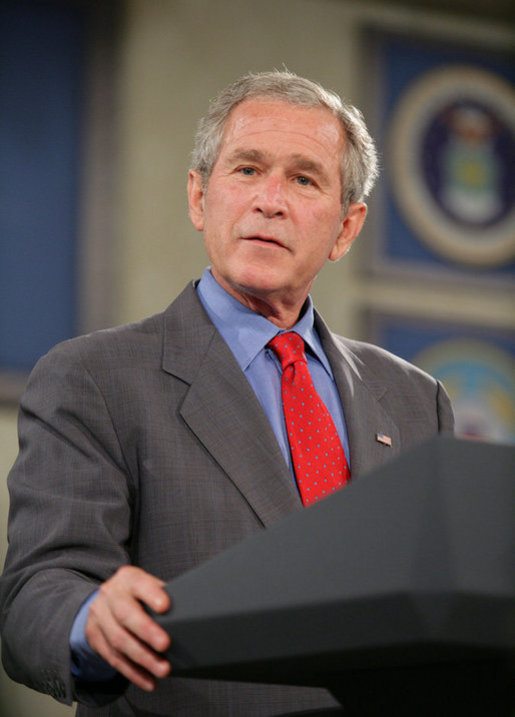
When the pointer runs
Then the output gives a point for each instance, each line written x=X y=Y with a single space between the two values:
x=308 y=165
x=246 y=155
x=298 y=161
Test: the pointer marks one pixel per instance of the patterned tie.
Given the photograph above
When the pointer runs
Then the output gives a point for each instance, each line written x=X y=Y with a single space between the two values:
x=318 y=459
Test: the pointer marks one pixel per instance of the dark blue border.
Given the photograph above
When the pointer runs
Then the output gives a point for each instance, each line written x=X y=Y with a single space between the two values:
x=42 y=49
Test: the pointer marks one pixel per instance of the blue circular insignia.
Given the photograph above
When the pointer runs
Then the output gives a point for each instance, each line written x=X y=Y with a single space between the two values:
x=452 y=158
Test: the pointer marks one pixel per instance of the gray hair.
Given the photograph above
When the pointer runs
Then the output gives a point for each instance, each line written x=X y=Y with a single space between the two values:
x=358 y=164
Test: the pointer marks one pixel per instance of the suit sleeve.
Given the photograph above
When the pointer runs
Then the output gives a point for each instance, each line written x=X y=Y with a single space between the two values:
x=69 y=523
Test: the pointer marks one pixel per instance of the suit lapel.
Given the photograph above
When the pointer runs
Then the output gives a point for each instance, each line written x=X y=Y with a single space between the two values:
x=222 y=410
x=361 y=397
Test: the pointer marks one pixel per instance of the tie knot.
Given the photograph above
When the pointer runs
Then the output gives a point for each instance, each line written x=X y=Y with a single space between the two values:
x=289 y=348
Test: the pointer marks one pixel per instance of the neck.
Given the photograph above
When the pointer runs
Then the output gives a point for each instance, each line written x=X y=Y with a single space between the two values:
x=281 y=310
x=284 y=317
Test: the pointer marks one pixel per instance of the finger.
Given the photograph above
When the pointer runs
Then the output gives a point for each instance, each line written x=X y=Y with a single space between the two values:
x=142 y=586
x=134 y=581
x=125 y=667
x=121 y=595
x=129 y=614
x=127 y=643
x=118 y=646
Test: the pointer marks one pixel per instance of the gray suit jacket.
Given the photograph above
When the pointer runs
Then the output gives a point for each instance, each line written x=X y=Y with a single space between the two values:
x=145 y=444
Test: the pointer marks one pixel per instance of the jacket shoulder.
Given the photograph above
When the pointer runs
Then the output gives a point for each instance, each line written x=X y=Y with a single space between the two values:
x=370 y=358
x=136 y=341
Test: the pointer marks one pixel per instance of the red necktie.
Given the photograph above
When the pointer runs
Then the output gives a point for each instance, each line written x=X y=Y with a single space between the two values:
x=318 y=459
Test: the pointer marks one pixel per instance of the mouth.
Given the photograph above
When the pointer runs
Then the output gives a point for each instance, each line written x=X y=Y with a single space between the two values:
x=264 y=240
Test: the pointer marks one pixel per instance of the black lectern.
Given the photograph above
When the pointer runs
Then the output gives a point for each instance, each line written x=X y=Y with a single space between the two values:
x=397 y=593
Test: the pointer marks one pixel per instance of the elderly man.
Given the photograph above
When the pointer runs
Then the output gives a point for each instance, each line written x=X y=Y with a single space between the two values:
x=149 y=448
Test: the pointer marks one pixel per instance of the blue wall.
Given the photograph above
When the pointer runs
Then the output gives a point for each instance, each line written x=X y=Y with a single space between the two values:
x=42 y=50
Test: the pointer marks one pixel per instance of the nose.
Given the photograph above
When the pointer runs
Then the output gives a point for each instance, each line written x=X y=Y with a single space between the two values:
x=270 y=199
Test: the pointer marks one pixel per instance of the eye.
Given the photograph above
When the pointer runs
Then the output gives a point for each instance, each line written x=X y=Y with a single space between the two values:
x=303 y=181
x=248 y=171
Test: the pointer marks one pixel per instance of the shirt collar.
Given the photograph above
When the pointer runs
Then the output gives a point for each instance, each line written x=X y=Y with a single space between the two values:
x=247 y=333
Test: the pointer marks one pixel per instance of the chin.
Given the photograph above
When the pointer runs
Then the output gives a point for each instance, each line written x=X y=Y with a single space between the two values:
x=260 y=280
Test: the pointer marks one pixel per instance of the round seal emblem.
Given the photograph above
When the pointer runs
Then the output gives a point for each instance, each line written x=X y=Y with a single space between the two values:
x=451 y=149
x=480 y=380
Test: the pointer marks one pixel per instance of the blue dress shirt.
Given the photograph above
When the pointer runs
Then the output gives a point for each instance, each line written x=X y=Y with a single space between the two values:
x=247 y=335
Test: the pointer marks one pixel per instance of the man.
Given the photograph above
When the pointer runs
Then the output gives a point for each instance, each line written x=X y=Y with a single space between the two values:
x=149 y=448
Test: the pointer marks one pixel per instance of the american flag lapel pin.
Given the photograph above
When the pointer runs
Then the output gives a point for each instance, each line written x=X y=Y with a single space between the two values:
x=384 y=439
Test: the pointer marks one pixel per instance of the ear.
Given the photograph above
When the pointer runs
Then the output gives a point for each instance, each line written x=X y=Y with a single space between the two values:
x=196 y=199
x=351 y=227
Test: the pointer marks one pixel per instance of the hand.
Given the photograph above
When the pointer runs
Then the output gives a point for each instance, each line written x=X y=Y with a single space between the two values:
x=119 y=629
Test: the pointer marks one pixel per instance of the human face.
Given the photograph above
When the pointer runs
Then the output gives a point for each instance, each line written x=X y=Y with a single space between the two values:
x=271 y=213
